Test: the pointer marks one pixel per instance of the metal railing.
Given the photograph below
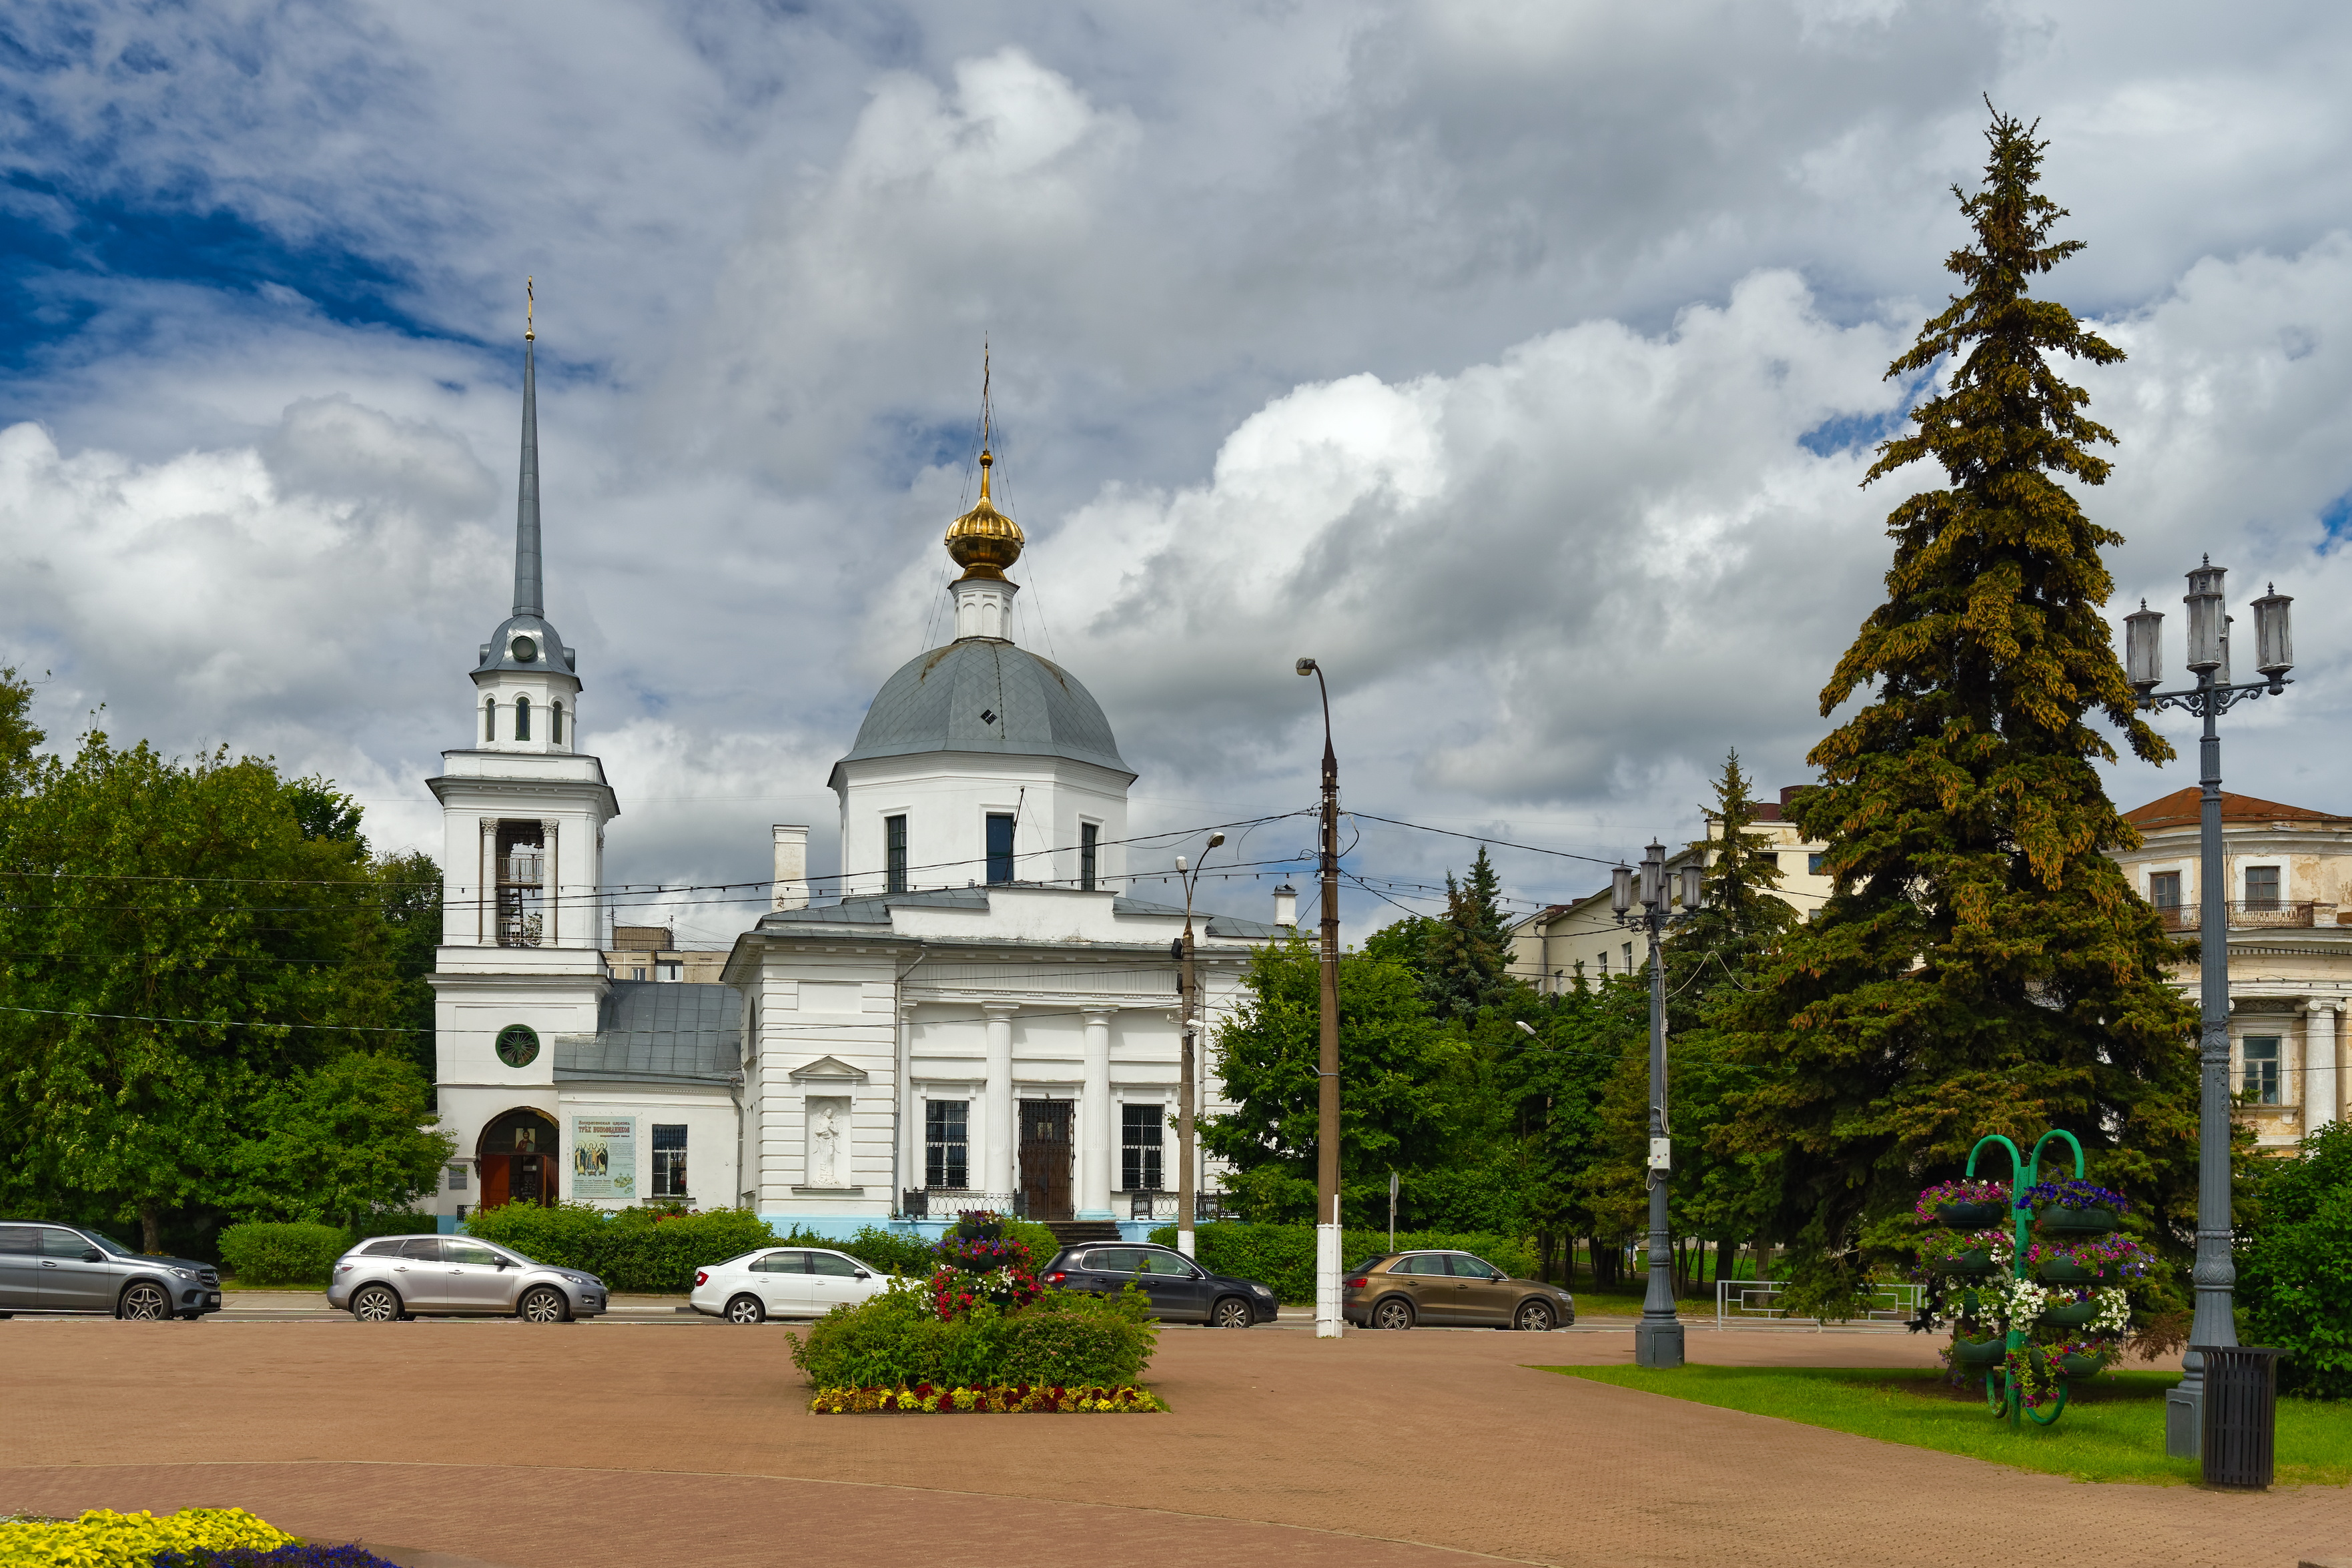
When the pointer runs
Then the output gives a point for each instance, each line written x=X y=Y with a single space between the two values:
x=947 y=1203
x=2267 y=912
x=1755 y=1300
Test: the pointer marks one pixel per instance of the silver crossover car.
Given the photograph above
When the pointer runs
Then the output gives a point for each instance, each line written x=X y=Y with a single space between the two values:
x=49 y=1268
x=397 y=1277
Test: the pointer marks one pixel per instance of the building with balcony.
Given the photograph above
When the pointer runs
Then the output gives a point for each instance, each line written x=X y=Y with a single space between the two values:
x=2288 y=872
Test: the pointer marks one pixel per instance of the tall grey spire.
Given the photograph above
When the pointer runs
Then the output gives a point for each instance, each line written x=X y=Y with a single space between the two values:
x=530 y=597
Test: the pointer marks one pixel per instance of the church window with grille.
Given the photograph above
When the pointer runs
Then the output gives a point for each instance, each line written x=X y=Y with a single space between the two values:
x=894 y=854
x=946 y=1149
x=1090 y=836
x=555 y=725
x=522 y=718
x=669 y=1161
x=1141 y=1127
x=490 y=720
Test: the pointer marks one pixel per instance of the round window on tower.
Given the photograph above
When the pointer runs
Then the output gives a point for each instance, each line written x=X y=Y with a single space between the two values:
x=518 y=1045
x=525 y=649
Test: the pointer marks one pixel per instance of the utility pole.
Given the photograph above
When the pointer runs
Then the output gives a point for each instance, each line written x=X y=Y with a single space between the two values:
x=1329 y=1322
x=1186 y=1100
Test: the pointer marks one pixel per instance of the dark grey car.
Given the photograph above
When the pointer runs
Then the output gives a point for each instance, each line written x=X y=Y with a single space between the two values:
x=1181 y=1290
x=397 y=1277
x=50 y=1268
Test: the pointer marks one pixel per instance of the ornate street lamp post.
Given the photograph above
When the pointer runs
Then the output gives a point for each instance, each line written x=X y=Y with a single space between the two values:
x=1658 y=1337
x=2209 y=659
x=1188 y=1073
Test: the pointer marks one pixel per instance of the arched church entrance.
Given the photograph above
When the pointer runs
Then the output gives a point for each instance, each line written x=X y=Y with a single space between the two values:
x=517 y=1158
x=1046 y=1155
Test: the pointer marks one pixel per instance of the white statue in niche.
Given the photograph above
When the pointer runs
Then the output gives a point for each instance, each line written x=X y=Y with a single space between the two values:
x=828 y=1124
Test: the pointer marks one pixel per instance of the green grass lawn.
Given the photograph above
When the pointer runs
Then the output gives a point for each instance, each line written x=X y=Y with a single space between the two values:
x=2112 y=1428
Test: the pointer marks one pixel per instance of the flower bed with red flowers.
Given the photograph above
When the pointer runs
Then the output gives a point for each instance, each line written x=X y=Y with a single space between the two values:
x=1012 y=1399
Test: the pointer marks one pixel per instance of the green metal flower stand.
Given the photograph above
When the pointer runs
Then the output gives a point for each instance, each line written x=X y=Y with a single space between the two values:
x=2004 y=1393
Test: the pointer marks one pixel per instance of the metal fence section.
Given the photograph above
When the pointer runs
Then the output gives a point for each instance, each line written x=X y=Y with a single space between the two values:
x=1752 y=1300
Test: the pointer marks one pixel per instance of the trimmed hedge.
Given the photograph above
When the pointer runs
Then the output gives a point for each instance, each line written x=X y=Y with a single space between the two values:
x=1060 y=1340
x=634 y=1249
x=885 y=1251
x=1282 y=1256
x=298 y=1254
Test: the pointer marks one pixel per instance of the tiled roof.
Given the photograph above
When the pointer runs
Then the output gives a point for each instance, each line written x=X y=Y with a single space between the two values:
x=2183 y=807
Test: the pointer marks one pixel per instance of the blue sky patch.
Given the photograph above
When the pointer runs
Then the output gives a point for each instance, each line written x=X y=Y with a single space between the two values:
x=1845 y=432
x=2336 y=516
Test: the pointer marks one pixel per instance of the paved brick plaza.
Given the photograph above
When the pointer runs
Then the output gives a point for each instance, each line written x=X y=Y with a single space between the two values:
x=628 y=1444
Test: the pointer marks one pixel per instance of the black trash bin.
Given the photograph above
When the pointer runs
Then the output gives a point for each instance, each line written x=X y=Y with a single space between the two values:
x=2241 y=1414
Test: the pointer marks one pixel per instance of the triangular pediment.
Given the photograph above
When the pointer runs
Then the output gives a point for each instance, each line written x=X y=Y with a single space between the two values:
x=827 y=1070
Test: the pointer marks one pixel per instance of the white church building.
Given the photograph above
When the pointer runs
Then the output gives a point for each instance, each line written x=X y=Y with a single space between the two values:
x=982 y=1017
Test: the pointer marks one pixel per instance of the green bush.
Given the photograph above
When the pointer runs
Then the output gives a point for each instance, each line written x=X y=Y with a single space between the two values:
x=633 y=1249
x=1282 y=1256
x=392 y=1221
x=269 y=1254
x=2295 y=1271
x=1039 y=1240
x=885 y=1251
x=892 y=1342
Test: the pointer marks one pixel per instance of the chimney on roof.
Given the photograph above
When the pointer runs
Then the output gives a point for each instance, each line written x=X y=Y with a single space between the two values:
x=1789 y=792
x=1285 y=908
x=791 y=868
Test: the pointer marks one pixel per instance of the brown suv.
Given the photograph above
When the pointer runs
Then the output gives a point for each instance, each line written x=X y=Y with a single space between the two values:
x=1451 y=1289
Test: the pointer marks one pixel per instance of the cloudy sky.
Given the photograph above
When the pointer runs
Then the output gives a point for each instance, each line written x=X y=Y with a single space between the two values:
x=1519 y=361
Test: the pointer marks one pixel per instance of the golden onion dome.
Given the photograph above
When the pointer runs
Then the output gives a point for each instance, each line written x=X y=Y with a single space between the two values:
x=983 y=541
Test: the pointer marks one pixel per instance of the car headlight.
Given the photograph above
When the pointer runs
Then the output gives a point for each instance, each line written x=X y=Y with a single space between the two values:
x=1261 y=1290
x=1567 y=1298
x=185 y=1273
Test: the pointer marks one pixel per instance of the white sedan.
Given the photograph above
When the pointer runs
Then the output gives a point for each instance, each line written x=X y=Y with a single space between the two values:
x=782 y=1282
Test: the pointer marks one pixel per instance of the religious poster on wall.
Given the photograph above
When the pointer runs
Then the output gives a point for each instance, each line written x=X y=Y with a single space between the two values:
x=604 y=1157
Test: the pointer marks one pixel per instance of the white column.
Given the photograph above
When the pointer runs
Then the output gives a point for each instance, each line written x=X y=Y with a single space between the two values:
x=998 y=1099
x=2320 y=1089
x=1097 y=1134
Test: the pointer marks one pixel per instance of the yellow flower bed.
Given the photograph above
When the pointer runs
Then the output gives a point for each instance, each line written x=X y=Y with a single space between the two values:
x=103 y=1539
x=924 y=1399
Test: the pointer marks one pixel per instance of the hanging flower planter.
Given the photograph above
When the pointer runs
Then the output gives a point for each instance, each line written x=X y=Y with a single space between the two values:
x=1971 y=1264
x=1965 y=1205
x=1979 y=1352
x=2072 y=1315
x=2077 y=1222
x=2058 y=1271
x=1971 y=1217
x=2079 y=1365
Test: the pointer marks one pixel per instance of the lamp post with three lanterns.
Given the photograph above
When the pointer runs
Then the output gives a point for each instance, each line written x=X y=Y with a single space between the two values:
x=1658 y=1337
x=2213 y=694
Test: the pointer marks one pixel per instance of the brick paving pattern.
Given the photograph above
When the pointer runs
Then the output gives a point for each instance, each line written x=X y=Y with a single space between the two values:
x=516 y=1444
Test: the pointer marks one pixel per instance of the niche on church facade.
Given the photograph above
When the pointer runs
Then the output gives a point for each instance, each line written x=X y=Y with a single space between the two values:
x=828 y=1141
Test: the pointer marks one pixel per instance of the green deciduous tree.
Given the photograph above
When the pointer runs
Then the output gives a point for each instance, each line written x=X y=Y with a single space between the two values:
x=1266 y=1055
x=1982 y=967
x=199 y=976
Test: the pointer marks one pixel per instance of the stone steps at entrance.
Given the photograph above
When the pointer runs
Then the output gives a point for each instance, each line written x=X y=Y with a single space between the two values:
x=1079 y=1231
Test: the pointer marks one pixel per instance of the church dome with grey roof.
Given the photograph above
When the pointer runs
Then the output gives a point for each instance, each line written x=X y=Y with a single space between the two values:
x=985 y=694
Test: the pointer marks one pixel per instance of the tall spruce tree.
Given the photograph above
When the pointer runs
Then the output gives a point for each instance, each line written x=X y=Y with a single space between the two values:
x=1982 y=965
x=1469 y=958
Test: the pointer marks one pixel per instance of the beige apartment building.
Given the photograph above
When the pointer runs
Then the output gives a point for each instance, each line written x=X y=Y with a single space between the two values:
x=2288 y=872
x=651 y=952
x=1552 y=946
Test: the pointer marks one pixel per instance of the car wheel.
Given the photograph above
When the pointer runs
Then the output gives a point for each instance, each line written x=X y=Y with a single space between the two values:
x=376 y=1304
x=144 y=1302
x=1231 y=1313
x=543 y=1304
x=745 y=1310
x=1396 y=1312
x=1534 y=1318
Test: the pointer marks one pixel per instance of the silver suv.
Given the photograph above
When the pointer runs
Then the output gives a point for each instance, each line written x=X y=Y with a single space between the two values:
x=47 y=1268
x=398 y=1277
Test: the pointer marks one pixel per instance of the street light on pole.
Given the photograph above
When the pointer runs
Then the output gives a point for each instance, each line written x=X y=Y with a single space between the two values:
x=1187 y=1072
x=2215 y=1275
x=1658 y=1337
x=1328 y=1322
